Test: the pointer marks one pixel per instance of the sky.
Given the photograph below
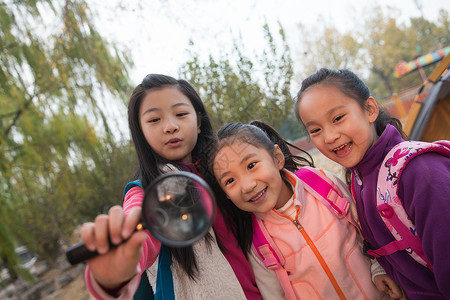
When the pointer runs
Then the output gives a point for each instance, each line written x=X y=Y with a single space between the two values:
x=157 y=32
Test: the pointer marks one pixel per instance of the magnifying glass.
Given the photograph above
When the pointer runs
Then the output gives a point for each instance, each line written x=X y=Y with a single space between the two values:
x=178 y=209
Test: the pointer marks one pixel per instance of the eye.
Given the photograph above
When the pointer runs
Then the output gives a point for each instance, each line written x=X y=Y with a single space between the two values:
x=338 y=118
x=314 y=130
x=154 y=120
x=229 y=181
x=182 y=114
x=251 y=165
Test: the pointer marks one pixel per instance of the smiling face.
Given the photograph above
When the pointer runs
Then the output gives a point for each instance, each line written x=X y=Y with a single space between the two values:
x=169 y=123
x=339 y=127
x=250 y=177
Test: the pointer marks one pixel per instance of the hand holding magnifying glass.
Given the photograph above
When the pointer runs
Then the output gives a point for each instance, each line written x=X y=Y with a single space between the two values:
x=178 y=209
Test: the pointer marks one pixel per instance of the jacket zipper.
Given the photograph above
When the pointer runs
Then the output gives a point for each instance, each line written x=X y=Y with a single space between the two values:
x=316 y=252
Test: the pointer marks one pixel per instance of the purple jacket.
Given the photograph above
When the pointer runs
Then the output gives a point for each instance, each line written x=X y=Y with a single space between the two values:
x=425 y=191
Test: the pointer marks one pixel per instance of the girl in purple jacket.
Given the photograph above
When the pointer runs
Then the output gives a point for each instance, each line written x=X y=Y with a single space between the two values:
x=347 y=126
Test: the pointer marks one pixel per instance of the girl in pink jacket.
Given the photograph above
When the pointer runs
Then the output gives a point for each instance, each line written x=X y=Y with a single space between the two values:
x=320 y=252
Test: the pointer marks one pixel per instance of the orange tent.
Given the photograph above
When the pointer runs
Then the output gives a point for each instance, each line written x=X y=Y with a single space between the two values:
x=429 y=119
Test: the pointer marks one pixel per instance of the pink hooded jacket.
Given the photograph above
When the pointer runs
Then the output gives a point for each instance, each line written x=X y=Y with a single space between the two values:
x=334 y=241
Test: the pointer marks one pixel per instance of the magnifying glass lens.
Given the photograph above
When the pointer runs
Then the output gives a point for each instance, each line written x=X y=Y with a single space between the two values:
x=178 y=208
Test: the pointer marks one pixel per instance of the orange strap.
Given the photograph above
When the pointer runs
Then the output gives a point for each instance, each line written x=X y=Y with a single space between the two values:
x=316 y=252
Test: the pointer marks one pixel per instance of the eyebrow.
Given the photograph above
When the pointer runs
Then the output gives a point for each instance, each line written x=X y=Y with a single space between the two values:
x=223 y=175
x=157 y=108
x=331 y=111
x=250 y=155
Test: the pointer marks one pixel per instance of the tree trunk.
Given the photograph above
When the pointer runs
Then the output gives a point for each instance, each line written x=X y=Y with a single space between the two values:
x=385 y=79
x=12 y=273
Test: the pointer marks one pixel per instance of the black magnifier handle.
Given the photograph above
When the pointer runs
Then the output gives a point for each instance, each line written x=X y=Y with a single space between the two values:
x=79 y=253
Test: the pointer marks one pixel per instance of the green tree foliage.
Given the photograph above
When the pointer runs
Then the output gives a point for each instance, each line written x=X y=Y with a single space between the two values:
x=330 y=49
x=55 y=69
x=388 y=42
x=375 y=49
x=237 y=88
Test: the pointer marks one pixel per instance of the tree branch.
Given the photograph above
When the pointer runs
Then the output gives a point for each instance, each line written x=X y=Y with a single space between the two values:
x=11 y=45
x=7 y=114
x=19 y=112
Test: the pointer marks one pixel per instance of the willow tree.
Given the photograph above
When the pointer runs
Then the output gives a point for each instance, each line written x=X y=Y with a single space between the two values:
x=57 y=77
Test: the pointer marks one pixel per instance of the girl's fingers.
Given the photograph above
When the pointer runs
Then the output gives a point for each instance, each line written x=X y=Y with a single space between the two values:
x=131 y=221
x=116 y=218
x=132 y=250
x=134 y=245
x=102 y=233
x=88 y=235
x=114 y=228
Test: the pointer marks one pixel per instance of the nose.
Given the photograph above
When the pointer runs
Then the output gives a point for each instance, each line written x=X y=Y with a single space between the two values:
x=170 y=126
x=331 y=135
x=248 y=184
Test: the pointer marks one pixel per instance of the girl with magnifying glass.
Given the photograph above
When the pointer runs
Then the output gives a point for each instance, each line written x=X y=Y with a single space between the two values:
x=171 y=131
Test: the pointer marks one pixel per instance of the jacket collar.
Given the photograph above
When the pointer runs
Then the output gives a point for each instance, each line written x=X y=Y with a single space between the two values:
x=375 y=155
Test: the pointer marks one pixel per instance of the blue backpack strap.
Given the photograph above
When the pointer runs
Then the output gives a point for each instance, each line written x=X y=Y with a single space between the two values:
x=131 y=185
x=164 y=279
x=144 y=291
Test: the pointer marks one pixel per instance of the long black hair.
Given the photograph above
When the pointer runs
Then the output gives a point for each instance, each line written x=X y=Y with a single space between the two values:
x=150 y=162
x=353 y=87
x=263 y=136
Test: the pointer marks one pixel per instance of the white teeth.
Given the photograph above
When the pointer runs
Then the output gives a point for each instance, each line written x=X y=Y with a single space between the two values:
x=341 y=147
x=259 y=195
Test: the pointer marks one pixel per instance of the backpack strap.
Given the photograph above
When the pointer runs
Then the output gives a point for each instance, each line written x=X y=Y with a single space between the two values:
x=324 y=189
x=390 y=206
x=144 y=290
x=270 y=256
x=130 y=185
x=164 y=281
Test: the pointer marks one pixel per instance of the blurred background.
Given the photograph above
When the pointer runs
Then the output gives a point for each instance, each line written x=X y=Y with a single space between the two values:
x=67 y=69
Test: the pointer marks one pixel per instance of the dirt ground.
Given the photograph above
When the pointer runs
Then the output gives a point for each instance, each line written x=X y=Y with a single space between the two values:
x=75 y=290
x=62 y=282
